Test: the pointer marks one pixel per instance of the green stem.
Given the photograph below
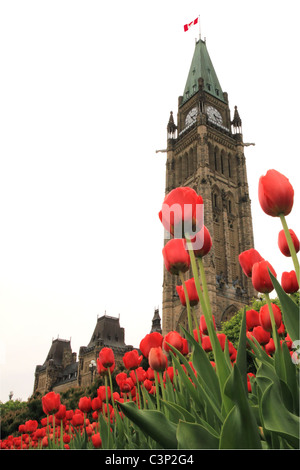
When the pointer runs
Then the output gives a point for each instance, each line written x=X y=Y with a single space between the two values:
x=139 y=403
x=280 y=366
x=187 y=301
x=274 y=329
x=196 y=326
x=291 y=246
x=107 y=408
x=204 y=283
x=221 y=365
x=157 y=390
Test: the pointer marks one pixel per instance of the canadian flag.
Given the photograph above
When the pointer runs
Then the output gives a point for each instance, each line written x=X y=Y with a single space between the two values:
x=186 y=27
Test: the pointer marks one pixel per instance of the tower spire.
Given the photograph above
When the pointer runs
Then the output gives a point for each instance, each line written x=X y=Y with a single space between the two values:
x=171 y=127
x=237 y=122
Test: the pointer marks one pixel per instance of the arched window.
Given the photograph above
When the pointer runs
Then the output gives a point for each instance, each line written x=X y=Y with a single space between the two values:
x=191 y=162
x=216 y=166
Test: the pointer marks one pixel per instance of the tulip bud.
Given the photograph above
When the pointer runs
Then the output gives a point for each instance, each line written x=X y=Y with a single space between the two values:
x=157 y=359
x=275 y=194
x=261 y=278
x=264 y=317
x=283 y=244
x=247 y=259
x=176 y=257
x=289 y=282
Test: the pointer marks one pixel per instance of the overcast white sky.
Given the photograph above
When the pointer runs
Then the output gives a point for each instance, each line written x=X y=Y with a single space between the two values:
x=86 y=88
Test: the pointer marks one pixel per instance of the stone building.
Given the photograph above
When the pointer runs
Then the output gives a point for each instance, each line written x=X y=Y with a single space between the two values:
x=61 y=369
x=205 y=151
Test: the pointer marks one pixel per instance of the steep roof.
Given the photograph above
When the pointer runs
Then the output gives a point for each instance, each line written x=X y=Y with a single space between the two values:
x=108 y=329
x=57 y=349
x=202 y=67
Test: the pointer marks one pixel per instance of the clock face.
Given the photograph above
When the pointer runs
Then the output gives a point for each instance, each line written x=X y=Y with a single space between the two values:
x=191 y=117
x=214 y=115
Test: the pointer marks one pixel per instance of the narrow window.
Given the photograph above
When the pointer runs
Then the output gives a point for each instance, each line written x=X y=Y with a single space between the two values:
x=229 y=168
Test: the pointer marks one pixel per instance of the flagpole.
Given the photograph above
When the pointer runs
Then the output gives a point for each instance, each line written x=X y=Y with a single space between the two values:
x=199 y=27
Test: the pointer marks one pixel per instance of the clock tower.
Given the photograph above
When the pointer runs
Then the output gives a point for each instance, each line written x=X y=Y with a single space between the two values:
x=205 y=151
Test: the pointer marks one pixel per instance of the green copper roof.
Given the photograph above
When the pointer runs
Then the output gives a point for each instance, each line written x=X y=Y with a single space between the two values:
x=202 y=67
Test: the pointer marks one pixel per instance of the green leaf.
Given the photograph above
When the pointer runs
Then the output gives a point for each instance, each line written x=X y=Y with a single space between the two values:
x=290 y=310
x=154 y=423
x=240 y=430
x=277 y=418
x=195 y=436
x=205 y=372
x=106 y=434
x=178 y=412
x=241 y=358
x=292 y=377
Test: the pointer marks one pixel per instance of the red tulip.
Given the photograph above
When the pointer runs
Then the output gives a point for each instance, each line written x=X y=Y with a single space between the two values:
x=275 y=194
x=148 y=384
x=261 y=335
x=281 y=329
x=176 y=257
x=31 y=426
x=261 y=278
x=197 y=333
x=77 y=419
x=150 y=373
x=22 y=428
x=202 y=242
x=191 y=291
x=102 y=391
x=121 y=377
x=289 y=282
x=252 y=319
x=247 y=259
x=185 y=347
x=157 y=359
x=182 y=212
x=222 y=340
x=61 y=412
x=151 y=340
x=103 y=370
x=96 y=403
x=169 y=374
x=140 y=373
x=264 y=317
x=132 y=359
x=51 y=402
x=206 y=344
x=66 y=438
x=106 y=356
x=174 y=339
x=270 y=347
x=203 y=326
x=126 y=385
x=96 y=440
x=85 y=404
x=69 y=414
x=283 y=244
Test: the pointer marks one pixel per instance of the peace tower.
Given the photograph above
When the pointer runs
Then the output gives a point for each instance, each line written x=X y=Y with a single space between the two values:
x=205 y=151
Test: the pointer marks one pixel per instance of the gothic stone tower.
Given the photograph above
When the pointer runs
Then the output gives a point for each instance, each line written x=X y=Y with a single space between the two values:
x=205 y=151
